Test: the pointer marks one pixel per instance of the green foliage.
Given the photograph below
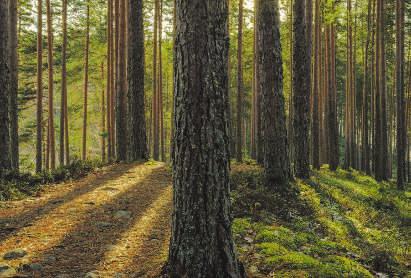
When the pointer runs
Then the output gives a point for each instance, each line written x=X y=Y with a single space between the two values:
x=346 y=225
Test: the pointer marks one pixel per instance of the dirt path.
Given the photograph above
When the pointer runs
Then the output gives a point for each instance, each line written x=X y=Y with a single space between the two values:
x=114 y=223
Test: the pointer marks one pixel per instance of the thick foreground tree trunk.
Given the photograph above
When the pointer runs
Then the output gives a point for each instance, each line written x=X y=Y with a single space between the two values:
x=201 y=242
x=5 y=162
x=136 y=115
x=276 y=161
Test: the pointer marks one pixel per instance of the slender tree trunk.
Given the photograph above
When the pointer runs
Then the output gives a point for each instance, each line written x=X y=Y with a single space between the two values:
x=160 y=83
x=201 y=242
x=109 y=76
x=5 y=160
x=258 y=124
x=63 y=85
x=276 y=161
x=86 y=69
x=301 y=88
x=254 y=95
x=316 y=90
x=156 y=139
x=136 y=116
x=121 y=105
x=13 y=53
x=39 y=97
x=290 y=99
x=239 y=145
x=400 y=90
x=348 y=95
x=103 y=117
x=51 y=132
x=334 y=155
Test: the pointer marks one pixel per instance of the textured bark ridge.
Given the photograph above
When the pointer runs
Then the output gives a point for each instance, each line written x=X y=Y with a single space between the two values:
x=301 y=97
x=201 y=242
x=5 y=162
x=137 y=122
x=276 y=161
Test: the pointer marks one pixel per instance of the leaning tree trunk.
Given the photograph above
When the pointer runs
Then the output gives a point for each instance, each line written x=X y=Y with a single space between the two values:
x=276 y=161
x=136 y=116
x=5 y=162
x=13 y=42
x=201 y=242
x=301 y=89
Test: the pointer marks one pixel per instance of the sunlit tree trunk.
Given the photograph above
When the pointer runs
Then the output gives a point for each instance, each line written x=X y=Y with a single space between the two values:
x=239 y=139
x=63 y=86
x=109 y=76
x=86 y=73
x=39 y=97
x=155 y=108
x=201 y=242
x=51 y=154
x=103 y=117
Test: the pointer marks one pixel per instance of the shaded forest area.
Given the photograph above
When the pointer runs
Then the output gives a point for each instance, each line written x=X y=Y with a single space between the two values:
x=286 y=126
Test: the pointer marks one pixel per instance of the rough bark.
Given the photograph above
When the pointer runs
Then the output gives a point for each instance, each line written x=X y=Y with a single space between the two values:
x=239 y=139
x=121 y=104
x=39 y=97
x=109 y=76
x=137 y=121
x=400 y=90
x=276 y=161
x=5 y=161
x=315 y=129
x=155 y=108
x=103 y=117
x=301 y=88
x=63 y=85
x=51 y=154
x=13 y=48
x=85 y=92
x=201 y=242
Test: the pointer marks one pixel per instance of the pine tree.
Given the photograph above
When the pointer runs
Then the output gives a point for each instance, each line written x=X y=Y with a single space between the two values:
x=86 y=76
x=137 y=122
x=51 y=153
x=201 y=241
x=13 y=66
x=39 y=97
x=301 y=89
x=63 y=109
x=315 y=129
x=239 y=139
x=276 y=161
x=5 y=161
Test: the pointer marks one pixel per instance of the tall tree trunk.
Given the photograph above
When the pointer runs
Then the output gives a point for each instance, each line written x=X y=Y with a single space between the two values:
x=301 y=88
x=253 y=149
x=39 y=97
x=160 y=83
x=291 y=96
x=51 y=133
x=334 y=155
x=63 y=85
x=136 y=116
x=239 y=140
x=348 y=95
x=103 y=117
x=86 y=68
x=13 y=53
x=315 y=141
x=201 y=241
x=109 y=76
x=276 y=161
x=121 y=111
x=155 y=129
x=5 y=161
x=258 y=124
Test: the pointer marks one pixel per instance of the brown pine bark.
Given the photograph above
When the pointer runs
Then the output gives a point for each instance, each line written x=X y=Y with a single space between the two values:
x=155 y=107
x=63 y=85
x=160 y=83
x=276 y=161
x=86 y=73
x=39 y=97
x=315 y=129
x=136 y=116
x=121 y=101
x=13 y=65
x=51 y=132
x=301 y=88
x=201 y=242
x=5 y=160
x=239 y=139
x=103 y=117
x=400 y=90
x=109 y=76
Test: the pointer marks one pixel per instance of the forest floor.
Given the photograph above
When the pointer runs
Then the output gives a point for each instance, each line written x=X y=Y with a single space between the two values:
x=115 y=223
